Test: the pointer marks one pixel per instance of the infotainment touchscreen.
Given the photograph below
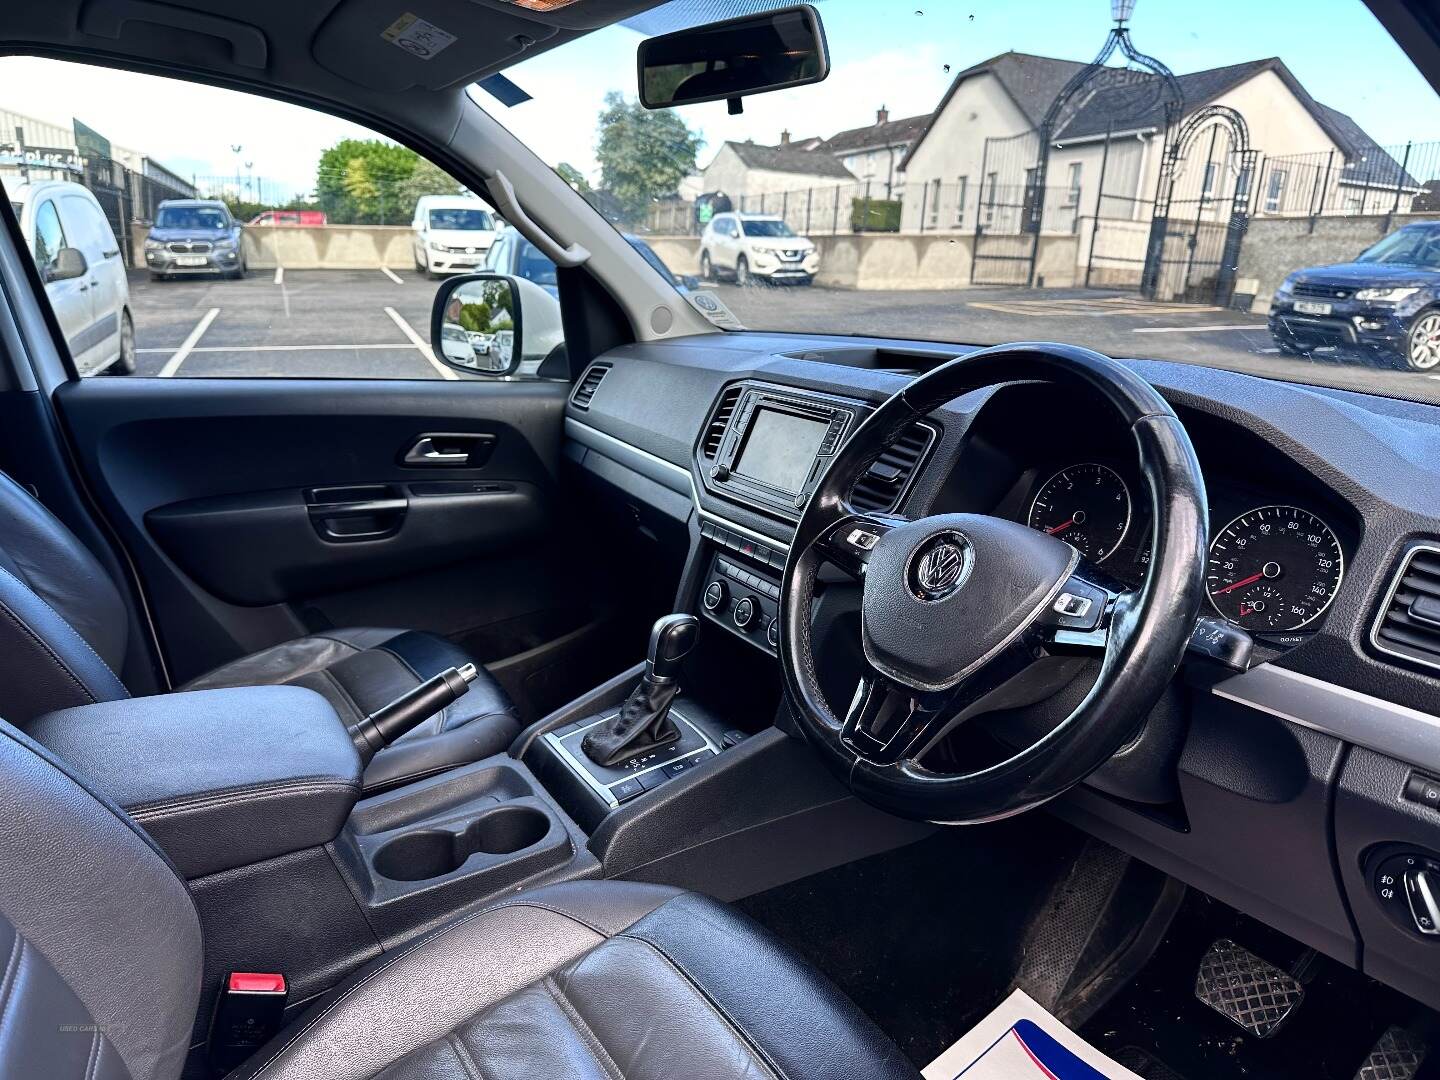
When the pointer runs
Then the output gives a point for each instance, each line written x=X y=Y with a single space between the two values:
x=780 y=449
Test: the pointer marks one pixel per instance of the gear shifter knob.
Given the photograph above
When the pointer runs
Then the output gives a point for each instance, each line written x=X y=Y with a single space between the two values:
x=670 y=642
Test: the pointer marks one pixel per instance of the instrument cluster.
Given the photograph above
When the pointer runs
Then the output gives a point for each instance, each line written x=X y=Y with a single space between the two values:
x=1273 y=568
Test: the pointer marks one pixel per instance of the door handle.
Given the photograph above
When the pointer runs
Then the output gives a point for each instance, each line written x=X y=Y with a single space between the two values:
x=456 y=450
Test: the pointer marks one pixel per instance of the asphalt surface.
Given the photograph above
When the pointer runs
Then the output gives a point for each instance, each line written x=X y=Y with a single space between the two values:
x=311 y=324
x=375 y=324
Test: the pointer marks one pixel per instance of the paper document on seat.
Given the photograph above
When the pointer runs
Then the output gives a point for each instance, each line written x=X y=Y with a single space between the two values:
x=1021 y=1041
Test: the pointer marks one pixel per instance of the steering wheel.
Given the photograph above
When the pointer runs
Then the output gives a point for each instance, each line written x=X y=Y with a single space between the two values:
x=957 y=609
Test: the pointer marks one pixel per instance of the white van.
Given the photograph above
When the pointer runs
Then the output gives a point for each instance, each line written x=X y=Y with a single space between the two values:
x=83 y=270
x=452 y=233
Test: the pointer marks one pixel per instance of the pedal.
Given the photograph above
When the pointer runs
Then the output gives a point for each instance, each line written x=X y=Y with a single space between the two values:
x=1255 y=995
x=1397 y=1056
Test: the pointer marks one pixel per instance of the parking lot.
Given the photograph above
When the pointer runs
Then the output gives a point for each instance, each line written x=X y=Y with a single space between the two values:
x=375 y=324
x=369 y=324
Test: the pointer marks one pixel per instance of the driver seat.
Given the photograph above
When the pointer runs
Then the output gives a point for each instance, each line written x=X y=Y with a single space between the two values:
x=101 y=954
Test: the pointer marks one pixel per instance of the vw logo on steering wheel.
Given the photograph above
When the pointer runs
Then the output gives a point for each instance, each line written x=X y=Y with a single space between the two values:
x=941 y=567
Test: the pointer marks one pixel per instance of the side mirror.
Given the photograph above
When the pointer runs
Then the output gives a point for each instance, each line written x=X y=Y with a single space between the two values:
x=726 y=61
x=68 y=264
x=476 y=323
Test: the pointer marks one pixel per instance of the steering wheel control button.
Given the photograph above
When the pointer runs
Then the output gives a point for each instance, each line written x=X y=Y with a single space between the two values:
x=715 y=595
x=863 y=539
x=745 y=612
x=1080 y=606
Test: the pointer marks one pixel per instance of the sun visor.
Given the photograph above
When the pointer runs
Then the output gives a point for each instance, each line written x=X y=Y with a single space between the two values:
x=394 y=45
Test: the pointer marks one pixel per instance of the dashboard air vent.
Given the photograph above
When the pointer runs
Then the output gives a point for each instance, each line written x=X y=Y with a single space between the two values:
x=715 y=430
x=884 y=486
x=1408 y=625
x=588 y=384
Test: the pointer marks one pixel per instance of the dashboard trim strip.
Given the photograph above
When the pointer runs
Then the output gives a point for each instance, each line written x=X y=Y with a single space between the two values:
x=603 y=442
x=1374 y=723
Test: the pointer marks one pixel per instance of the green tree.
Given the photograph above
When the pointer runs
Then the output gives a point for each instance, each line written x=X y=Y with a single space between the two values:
x=643 y=154
x=358 y=182
x=574 y=177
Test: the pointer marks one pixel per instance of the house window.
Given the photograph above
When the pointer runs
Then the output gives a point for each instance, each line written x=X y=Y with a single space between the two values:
x=1275 y=191
x=934 y=202
x=961 y=190
x=991 y=180
x=1072 y=199
x=1212 y=170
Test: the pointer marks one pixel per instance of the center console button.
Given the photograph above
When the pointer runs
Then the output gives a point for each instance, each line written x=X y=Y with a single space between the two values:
x=714 y=595
x=627 y=789
x=772 y=634
x=745 y=612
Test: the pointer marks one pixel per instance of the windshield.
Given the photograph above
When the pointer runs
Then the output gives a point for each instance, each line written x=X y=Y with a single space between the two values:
x=1408 y=247
x=190 y=217
x=463 y=220
x=1037 y=170
x=766 y=228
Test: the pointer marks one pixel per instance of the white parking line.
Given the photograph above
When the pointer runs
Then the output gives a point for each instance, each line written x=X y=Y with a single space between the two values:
x=407 y=346
x=1193 y=329
x=279 y=275
x=188 y=345
x=392 y=275
x=419 y=343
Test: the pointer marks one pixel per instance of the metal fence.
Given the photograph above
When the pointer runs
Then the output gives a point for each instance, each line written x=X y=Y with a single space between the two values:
x=127 y=196
x=1383 y=180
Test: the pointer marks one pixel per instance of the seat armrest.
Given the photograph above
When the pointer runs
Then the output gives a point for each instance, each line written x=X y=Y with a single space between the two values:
x=218 y=778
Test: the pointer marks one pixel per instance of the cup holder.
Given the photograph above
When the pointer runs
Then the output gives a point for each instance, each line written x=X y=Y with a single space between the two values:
x=432 y=853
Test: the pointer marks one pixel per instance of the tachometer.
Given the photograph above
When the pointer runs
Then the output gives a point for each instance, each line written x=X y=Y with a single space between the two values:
x=1274 y=569
x=1086 y=505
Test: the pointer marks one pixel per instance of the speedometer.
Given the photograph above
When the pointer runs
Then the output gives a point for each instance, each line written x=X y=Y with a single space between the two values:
x=1274 y=569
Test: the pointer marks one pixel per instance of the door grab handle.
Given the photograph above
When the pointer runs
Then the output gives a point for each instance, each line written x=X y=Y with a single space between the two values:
x=457 y=449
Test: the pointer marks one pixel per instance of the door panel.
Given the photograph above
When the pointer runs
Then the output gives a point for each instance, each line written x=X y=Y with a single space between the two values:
x=253 y=507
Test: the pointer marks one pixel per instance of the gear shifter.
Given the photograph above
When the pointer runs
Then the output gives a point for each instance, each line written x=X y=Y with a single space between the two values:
x=643 y=722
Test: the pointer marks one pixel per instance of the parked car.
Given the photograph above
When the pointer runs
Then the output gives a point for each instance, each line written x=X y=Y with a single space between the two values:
x=452 y=233
x=756 y=246
x=304 y=219
x=194 y=236
x=1385 y=304
x=84 y=274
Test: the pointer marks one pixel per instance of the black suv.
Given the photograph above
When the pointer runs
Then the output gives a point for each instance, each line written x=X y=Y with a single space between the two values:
x=194 y=236
x=1386 y=303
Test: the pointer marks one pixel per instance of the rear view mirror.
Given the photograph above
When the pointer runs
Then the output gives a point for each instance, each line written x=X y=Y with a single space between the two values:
x=476 y=323
x=733 y=59
x=68 y=263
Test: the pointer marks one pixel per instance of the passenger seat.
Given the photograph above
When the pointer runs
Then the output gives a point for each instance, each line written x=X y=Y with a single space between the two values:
x=63 y=635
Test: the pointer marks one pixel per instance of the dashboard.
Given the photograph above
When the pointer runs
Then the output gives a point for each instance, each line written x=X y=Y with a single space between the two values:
x=1283 y=789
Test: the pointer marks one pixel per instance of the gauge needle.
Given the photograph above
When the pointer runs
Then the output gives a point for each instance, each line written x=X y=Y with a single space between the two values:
x=1060 y=528
x=1239 y=584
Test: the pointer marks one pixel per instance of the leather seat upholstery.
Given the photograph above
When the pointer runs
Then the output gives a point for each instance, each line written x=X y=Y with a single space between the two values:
x=361 y=670
x=601 y=981
x=609 y=980
x=63 y=637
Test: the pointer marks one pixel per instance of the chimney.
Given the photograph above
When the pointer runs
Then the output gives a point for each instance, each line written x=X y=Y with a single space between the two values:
x=785 y=137
x=882 y=115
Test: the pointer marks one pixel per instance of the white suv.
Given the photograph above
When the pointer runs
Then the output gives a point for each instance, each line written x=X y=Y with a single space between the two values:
x=749 y=246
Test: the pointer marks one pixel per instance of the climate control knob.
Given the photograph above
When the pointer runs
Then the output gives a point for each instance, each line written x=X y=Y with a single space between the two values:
x=745 y=612
x=715 y=594
x=772 y=634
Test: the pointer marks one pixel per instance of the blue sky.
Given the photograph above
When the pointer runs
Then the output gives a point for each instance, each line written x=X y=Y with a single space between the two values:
x=893 y=53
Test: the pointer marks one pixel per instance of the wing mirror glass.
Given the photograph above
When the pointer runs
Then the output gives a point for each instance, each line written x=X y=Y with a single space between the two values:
x=734 y=59
x=68 y=264
x=476 y=324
